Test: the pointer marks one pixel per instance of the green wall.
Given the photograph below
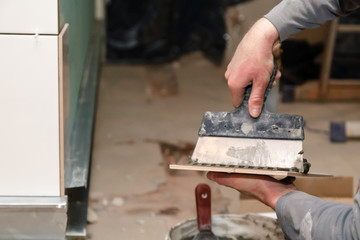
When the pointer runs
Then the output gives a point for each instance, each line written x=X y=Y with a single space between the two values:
x=79 y=14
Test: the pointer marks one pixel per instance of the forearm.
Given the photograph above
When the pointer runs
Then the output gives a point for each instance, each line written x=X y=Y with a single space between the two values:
x=291 y=16
x=302 y=216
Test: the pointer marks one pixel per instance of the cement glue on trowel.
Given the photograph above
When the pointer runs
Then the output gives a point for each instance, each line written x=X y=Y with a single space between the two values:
x=234 y=139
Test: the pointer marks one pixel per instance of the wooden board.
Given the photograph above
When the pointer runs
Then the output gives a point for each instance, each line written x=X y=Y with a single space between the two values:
x=274 y=173
x=337 y=90
x=64 y=102
x=328 y=89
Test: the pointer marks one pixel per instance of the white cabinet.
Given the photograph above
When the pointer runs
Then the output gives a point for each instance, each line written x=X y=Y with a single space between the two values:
x=29 y=16
x=31 y=115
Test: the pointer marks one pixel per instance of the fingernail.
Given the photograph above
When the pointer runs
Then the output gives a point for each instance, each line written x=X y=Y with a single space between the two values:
x=255 y=111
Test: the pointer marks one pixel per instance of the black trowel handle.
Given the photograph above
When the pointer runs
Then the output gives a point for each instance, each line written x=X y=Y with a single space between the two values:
x=272 y=79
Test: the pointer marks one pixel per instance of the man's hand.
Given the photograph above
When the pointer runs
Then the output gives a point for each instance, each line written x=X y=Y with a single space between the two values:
x=253 y=64
x=264 y=188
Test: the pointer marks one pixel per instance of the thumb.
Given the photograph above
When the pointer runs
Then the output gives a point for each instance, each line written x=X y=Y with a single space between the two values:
x=256 y=99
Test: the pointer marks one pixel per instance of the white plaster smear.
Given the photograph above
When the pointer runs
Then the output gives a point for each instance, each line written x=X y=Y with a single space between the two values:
x=249 y=152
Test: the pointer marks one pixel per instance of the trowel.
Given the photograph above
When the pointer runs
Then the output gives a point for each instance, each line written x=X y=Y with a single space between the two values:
x=236 y=140
x=203 y=212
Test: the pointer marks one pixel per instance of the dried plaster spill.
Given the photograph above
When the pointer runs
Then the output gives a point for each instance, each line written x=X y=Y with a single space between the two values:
x=246 y=127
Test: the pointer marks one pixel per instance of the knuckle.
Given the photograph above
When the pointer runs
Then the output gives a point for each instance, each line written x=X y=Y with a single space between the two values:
x=227 y=74
x=232 y=84
x=256 y=100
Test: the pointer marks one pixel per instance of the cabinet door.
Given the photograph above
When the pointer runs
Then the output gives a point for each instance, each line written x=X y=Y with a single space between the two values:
x=29 y=16
x=29 y=110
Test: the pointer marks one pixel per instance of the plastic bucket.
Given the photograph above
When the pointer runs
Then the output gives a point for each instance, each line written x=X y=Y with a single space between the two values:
x=231 y=227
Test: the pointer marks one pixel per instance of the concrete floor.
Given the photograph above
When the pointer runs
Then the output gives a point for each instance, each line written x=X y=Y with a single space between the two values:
x=141 y=128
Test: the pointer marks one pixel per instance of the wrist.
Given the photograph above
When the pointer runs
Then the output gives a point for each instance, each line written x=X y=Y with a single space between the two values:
x=272 y=192
x=267 y=31
x=273 y=199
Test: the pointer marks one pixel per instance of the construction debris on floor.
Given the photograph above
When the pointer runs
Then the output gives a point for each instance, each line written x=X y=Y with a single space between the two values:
x=140 y=130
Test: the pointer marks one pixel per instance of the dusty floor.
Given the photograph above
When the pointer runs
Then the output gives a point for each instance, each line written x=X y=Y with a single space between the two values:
x=133 y=195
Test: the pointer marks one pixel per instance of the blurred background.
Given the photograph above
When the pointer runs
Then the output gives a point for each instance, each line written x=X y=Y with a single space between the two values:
x=131 y=82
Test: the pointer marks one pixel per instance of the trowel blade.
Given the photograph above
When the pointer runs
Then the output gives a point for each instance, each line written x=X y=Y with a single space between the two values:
x=249 y=153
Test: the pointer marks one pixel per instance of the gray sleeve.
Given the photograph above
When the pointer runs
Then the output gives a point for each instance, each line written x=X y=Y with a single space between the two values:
x=291 y=16
x=302 y=216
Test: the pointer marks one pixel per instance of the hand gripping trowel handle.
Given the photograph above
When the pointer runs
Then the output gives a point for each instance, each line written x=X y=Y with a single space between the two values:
x=272 y=79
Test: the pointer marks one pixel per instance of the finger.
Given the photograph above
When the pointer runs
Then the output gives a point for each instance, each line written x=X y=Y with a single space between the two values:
x=277 y=78
x=231 y=180
x=227 y=74
x=220 y=175
x=273 y=84
x=256 y=99
x=288 y=180
x=215 y=176
x=237 y=93
x=278 y=74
